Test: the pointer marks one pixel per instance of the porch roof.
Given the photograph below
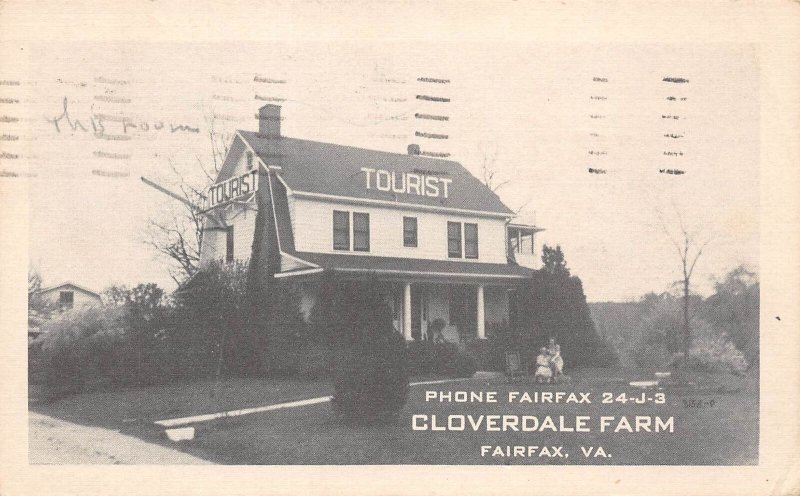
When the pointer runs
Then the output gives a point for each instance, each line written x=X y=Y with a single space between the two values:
x=524 y=228
x=414 y=267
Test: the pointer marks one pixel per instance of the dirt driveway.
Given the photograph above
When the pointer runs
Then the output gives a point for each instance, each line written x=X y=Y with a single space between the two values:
x=54 y=441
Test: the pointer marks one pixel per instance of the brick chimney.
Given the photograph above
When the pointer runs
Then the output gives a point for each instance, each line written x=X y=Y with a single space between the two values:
x=269 y=121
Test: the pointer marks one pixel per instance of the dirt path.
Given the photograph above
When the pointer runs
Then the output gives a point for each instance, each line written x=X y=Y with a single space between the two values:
x=54 y=441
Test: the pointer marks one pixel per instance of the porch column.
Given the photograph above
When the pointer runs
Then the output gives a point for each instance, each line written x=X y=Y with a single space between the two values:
x=481 y=324
x=407 y=312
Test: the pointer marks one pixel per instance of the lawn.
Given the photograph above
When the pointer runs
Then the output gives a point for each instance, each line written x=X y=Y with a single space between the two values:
x=724 y=432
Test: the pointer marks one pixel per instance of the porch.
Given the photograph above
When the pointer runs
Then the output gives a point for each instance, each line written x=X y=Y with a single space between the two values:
x=453 y=312
x=456 y=301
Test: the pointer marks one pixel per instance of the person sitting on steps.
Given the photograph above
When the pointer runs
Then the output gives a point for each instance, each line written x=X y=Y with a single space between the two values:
x=544 y=373
x=556 y=362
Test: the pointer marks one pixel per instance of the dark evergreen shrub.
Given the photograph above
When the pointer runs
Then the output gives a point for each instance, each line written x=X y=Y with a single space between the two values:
x=370 y=363
x=553 y=304
x=453 y=362
x=235 y=323
x=422 y=357
x=440 y=358
x=371 y=379
x=296 y=357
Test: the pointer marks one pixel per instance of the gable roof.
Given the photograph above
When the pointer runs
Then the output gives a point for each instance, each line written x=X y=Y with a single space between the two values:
x=318 y=168
x=68 y=284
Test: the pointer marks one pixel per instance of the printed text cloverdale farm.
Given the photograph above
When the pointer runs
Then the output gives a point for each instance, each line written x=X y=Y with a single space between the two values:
x=527 y=423
x=481 y=421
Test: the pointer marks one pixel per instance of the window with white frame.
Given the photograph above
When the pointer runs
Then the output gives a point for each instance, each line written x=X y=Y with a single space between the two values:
x=360 y=231
x=410 y=232
x=341 y=230
x=347 y=225
x=462 y=240
x=454 y=240
x=470 y=240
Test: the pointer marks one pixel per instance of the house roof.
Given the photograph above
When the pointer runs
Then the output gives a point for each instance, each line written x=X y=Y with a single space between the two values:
x=413 y=266
x=327 y=169
x=526 y=228
x=70 y=285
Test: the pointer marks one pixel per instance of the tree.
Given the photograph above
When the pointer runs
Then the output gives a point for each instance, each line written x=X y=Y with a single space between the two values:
x=489 y=170
x=34 y=286
x=489 y=173
x=734 y=310
x=553 y=304
x=179 y=235
x=38 y=309
x=214 y=314
x=690 y=245
x=144 y=296
x=553 y=261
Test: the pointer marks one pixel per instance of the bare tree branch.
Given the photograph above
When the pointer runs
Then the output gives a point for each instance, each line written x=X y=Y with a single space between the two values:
x=522 y=207
x=489 y=173
x=169 y=233
x=697 y=257
x=488 y=170
x=689 y=251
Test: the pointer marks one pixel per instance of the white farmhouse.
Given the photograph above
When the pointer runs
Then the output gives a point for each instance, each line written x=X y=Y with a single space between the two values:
x=68 y=295
x=435 y=232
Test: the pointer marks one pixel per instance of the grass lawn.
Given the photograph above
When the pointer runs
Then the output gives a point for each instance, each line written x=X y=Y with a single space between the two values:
x=723 y=434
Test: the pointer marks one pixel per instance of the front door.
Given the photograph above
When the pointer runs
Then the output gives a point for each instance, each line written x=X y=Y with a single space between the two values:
x=464 y=311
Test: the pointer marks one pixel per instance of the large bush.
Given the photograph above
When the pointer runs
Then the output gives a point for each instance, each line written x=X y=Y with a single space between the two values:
x=78 y=349
x=490 y=354
x=440 y=358
x=370 y=364
x=219 y=323
x=214 y=320
x=734 y=310
x=713 y=351
x=123 y=343
x=245 y=325
x=289 y=353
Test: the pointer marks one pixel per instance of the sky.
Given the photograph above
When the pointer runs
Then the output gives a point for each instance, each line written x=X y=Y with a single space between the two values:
x=540 y=114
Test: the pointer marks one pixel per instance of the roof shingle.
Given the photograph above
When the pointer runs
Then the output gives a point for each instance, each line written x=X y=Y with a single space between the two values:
x=329 y=169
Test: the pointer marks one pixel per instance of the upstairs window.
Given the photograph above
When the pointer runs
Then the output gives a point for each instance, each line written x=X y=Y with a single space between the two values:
x=66 y=299
x=341 y=230
x=360 y=231
x=249 y=156
x=229 y=244
x=454 y=239
x=410 y=231
x=471 y=240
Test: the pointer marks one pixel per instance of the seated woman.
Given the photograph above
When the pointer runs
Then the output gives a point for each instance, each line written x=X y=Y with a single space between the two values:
x=544 y=373
x=556 y=362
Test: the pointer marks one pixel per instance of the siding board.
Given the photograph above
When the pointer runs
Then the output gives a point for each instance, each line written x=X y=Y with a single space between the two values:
x=312 y=221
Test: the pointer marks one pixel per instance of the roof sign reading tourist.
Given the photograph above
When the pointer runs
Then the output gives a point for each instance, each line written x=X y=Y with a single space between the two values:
x=410 y=183
x=233 y=188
